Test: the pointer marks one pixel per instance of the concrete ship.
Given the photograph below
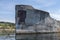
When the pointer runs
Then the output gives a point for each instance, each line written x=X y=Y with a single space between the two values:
x=31 y=20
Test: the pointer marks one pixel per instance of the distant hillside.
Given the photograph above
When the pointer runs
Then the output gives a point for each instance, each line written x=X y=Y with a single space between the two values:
x=6 y=22
x=6 y=25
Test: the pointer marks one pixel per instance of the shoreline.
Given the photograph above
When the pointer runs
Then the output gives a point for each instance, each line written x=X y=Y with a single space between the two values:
x=7 y=31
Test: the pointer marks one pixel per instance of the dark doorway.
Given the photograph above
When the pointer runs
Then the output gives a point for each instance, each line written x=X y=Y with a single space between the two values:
x=21 y=16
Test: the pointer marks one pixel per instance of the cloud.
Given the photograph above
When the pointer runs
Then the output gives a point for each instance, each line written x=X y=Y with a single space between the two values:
x=46 y=3
x=56 y=14
x=7 y=8
x=7 y=11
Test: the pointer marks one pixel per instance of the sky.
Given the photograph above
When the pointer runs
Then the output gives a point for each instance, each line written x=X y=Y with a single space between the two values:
x=7 y=8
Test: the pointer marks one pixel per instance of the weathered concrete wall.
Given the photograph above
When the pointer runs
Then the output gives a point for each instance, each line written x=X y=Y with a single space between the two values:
x=32 y=15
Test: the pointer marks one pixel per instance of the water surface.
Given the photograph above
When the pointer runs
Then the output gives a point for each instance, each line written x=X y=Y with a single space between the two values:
x=7 y=37
x=49 y=36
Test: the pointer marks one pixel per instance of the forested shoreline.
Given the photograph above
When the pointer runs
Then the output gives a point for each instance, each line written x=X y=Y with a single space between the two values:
x=7 y=28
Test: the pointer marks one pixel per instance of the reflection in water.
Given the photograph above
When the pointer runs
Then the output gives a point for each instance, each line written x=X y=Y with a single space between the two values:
x=6 y=37
x=50 y=36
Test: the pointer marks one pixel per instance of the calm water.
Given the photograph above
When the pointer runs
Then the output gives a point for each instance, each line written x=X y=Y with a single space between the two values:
x=50 y=36
x=7 y=37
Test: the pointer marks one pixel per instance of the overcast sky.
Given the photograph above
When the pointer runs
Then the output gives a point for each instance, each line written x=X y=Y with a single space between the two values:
x=7 y=8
